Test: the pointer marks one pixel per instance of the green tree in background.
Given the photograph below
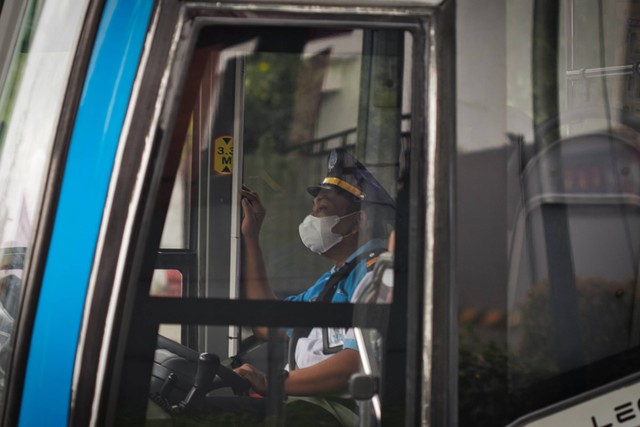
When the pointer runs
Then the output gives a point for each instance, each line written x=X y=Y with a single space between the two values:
x=270 y=87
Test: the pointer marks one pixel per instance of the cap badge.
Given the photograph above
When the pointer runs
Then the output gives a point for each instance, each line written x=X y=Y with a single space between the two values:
x=333 y=159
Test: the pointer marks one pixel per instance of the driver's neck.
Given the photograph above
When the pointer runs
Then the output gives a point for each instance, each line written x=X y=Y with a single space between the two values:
x=343 y=250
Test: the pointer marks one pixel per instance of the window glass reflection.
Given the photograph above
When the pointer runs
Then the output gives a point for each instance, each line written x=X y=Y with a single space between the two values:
x=548 y=214
x=30 y=103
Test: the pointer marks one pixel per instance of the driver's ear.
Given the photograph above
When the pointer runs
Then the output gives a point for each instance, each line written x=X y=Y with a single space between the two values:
x=361 y=221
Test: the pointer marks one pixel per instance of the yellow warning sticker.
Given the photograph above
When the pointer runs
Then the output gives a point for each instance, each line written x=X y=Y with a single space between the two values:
x=223 y=155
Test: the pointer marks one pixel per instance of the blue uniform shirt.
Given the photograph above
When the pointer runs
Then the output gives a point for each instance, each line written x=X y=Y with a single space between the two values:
x=345 y=289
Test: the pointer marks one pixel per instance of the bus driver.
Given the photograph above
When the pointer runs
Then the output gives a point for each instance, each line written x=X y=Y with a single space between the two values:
x=347 y=224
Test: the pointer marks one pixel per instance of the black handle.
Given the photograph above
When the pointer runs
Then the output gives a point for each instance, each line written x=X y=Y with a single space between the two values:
x=207 y=367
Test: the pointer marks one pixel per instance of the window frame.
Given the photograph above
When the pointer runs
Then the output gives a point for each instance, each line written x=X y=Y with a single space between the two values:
x=160 y=78
x=36 y=256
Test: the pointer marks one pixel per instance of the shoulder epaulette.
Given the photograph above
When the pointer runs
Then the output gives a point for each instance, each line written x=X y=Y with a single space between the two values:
x=372 y=258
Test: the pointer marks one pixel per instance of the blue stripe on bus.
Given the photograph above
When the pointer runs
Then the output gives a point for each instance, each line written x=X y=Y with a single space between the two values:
x=112 y=70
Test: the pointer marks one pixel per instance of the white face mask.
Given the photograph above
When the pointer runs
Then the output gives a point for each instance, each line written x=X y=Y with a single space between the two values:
x=316 y=233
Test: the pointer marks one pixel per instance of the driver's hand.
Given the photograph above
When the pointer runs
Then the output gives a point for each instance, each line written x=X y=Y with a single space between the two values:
x=256 y=377
x=253 y=212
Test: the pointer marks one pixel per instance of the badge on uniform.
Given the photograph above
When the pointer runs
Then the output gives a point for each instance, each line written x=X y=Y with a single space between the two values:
x=332 y=340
